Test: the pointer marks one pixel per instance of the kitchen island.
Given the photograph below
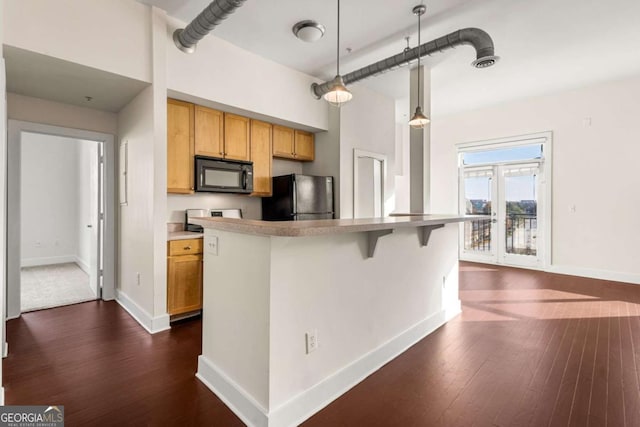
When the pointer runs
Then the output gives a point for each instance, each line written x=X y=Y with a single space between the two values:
x=296 y=313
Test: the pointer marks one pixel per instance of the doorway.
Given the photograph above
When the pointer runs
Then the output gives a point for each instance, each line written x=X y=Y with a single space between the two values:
x=60 y=215
x=506 y=183
x=60 y=249
x=369 y=176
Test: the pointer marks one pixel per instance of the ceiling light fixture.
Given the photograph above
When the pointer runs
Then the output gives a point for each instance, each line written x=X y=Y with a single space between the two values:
x=338 y=93
x=308 y=31
x=419 y=120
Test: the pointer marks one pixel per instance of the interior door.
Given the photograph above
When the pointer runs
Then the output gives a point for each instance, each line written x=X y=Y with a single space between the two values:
x=368 y=186
x=478 y=197
x=96 y=225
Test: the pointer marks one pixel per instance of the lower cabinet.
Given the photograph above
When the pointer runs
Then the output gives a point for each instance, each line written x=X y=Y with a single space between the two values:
x=184 y=276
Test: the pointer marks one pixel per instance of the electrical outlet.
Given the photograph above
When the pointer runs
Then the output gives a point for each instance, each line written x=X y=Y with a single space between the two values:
x=311 y=339
x=138 y=279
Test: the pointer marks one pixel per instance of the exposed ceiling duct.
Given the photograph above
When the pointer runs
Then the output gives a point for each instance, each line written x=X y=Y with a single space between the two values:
x=475 y=37
x=187 y=38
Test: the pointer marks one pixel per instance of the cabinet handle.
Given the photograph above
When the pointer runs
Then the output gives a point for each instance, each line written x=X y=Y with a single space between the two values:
x=187 y=248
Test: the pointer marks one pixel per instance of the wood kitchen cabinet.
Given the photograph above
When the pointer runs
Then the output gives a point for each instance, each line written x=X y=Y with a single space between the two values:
x=184 y=276
x=180 y=146
x=209 y=132
x=261 y=156
x=304 y=146
x=237 y=137
x=293 y=144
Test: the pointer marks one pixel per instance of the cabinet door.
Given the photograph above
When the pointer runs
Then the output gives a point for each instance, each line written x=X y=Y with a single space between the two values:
x=209 y=132
x=304 y=146
x=180 y=118
x=261 y=157
x=283 y=142
x=236 y=137
x=184 y=284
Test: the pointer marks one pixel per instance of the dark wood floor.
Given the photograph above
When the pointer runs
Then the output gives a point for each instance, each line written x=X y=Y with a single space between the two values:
x=530 y=349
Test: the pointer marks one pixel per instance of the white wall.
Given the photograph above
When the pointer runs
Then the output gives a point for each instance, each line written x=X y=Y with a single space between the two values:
x=224 y=73
x=136 y=253
x=365 y=313
x=110 y=35
x=594 y=169
x=327 y=159
x=367 y=122
x=49 y=199
x=38 y=110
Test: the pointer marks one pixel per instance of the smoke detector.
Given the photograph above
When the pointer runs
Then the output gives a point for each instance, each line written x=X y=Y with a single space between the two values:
x=308 y=31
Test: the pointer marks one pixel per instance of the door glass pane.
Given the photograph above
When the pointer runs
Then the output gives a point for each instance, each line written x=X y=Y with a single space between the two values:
x=477 y=233
x=521 y=222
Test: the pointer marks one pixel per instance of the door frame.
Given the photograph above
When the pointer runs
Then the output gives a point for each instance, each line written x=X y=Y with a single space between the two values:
x=546 y=213
x=15 y=130
x=357 y=153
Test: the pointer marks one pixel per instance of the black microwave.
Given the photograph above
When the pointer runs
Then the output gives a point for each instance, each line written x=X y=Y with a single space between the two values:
x=223 y=176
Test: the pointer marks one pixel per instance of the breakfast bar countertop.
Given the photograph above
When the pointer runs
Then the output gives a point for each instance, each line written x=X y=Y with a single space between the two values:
x=328 y=226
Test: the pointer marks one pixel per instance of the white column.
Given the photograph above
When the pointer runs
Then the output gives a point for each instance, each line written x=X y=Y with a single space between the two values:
x=420 y=144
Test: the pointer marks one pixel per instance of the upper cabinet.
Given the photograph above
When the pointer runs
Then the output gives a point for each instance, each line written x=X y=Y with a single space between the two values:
x=261 y=153
x=209 y=137
x=304 y=146
x=222 y=135
x=180 y=123
x=293 y=144
x=195 y=130
x=236 y=137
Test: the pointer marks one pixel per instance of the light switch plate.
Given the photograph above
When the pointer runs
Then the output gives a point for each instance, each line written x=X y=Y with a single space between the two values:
x=212 y=245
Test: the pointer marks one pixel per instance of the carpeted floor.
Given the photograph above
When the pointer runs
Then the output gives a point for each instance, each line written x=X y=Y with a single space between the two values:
x=49 y=286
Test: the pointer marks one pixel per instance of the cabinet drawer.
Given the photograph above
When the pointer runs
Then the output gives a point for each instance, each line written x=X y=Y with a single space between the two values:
x=185 y=247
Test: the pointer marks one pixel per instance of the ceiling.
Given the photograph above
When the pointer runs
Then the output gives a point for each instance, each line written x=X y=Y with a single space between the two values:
x=42 y=76
x=545 y=45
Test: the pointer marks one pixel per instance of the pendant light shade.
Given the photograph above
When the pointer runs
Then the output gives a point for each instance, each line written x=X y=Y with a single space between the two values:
x=419 y=120
x=338 y=94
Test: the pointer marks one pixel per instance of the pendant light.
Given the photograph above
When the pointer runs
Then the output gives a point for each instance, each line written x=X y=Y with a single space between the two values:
x=419 y=119
x=338 y=94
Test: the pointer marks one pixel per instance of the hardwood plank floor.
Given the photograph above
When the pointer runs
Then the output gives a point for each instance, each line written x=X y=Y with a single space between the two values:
x=530 y=349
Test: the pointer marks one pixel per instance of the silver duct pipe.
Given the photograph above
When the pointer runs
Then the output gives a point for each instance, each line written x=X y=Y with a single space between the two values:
x=186 y=39
x=475 y=37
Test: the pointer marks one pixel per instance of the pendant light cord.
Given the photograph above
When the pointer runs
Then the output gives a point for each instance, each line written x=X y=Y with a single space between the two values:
x=338 y=43
x=419 y=94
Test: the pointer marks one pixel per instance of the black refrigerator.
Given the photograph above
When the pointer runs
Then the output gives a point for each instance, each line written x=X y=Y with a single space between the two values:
x=299 y=197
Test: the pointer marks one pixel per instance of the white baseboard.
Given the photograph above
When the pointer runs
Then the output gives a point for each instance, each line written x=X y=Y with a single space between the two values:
x=1 y=396
x=34 y=262
x=596 y=274
x=83 y=265
x=151 y=324
x=307 y=403
x=240 y=402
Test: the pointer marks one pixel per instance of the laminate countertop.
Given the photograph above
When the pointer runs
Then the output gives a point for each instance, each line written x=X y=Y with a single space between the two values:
x=328 y=226
x=183 y=235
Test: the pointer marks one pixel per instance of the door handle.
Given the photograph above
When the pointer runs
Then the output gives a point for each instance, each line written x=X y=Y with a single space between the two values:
x=89 y=226
x=493 y=221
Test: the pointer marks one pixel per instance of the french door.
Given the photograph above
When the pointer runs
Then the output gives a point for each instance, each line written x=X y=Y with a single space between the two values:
x=509 y=197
